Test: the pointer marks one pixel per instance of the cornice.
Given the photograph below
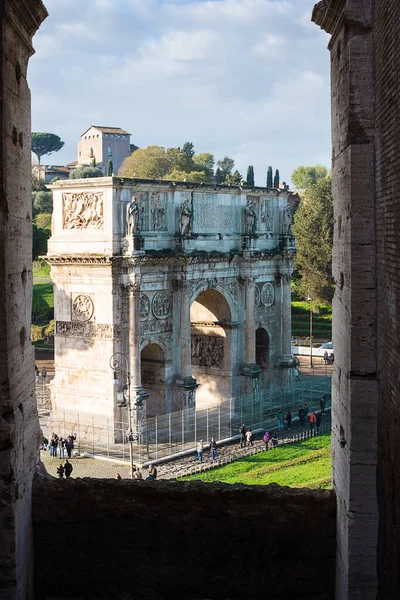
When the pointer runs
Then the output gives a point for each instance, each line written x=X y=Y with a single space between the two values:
x=329 y=15
x=26 y=16
x=77 y=260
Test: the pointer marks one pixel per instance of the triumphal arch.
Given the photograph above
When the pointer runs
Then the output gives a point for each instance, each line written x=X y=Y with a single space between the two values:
x=190 y=282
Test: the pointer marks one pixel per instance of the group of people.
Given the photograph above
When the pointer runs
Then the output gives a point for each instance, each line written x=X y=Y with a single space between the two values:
x=64 y=469
x=314 y=418
x=151 y=474
x=329 y=359
x=43 y=373
x=246 y=437
x=57 y=445
x=200 y=450
x=270 y=440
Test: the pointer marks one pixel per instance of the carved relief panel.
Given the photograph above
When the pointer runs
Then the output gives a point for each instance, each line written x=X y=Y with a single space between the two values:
x=82 y=308
x=153 y=211
x=155 y=312
x=207 y=351
x=83 y=210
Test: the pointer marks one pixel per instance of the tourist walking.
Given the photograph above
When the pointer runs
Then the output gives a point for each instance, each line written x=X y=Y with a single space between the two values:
x=44 y=374
x=213 y=448
x=274 y=440
x=249 y=437
x=279 y=418
x=318 y=418
x=322 y=404
x=61 y=445
x=199 y=449
x=306 y=411
x=54 y=445
x=36 y=374
x=301 y=416
x=60 y=471
x=69 y=444
x=288 y=419
x=242 y=432
x=68 y=468
x=266 y=439
x=312 y=419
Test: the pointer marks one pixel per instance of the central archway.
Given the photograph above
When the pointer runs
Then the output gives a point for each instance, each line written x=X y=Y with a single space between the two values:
x=211 y=339
x=153 y=379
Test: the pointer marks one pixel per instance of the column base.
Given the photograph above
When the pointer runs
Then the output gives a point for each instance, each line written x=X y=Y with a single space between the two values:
x=184 y=394
x=285 y=361
x=285 y=371
x=248 y=384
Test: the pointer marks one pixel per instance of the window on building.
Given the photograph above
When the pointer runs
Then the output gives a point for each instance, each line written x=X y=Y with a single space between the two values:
x=91 y=152
x=109 y=151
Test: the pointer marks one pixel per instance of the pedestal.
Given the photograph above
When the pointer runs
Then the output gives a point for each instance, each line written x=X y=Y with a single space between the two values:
x=184 y=394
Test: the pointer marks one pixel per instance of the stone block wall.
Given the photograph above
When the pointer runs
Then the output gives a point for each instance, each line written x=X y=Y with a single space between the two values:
x=120 y=539
x=19 y=427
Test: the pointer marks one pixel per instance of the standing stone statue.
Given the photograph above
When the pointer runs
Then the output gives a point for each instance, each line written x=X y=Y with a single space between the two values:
x=185 y=218
x=132 y=218
x=287 y=221
x=251 y=219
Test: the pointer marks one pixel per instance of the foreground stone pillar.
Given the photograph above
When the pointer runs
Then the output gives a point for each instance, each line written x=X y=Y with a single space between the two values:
x=19 y=424
x=355 y=384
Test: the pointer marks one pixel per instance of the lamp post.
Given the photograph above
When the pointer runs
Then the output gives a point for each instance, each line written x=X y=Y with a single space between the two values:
x=119 y=362
x=309 y=299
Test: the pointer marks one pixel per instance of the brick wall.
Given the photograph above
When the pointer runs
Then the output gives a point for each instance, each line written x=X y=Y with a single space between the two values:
x=103 y=539
x=387 y=192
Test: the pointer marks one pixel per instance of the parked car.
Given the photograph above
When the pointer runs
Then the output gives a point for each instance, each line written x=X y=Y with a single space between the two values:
x=327 y=346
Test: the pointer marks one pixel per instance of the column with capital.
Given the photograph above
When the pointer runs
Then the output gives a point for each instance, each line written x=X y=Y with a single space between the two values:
x=286 y=317
x=250 y=370
x=136 y=389
x=278 y=309
x=185 y=385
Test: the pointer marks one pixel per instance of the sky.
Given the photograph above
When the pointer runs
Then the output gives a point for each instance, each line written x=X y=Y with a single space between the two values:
x=247 y=79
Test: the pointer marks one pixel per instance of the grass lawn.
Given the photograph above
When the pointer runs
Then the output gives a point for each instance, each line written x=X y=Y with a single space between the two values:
x=40 y=270
x=302 y=464
x=322 y=319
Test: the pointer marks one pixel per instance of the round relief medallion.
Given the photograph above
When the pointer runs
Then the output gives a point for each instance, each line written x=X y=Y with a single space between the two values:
x=144 y=304
x=161 y=305
x=82 y=308
x=256 y=296
x=267 y=294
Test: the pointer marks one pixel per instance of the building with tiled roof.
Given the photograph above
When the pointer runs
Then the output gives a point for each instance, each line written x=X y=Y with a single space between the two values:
x=102 y=144
x=47 y=173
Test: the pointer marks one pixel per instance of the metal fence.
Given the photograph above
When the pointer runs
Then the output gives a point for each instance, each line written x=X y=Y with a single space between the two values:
x=169 y=435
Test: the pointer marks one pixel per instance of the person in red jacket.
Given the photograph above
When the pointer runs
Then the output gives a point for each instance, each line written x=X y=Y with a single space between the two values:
x=312 y=419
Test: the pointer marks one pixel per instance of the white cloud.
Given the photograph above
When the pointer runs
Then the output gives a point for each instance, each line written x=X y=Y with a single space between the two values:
x=238 y=77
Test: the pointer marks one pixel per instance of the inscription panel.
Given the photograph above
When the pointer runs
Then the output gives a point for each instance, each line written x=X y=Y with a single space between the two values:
x=209 y=216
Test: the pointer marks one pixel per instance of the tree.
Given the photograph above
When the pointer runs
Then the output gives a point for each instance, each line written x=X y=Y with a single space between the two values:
x=45 y=143
x=43 y=221
x=83 y=172
x=110 y=168
x=205 y=161
x=149 y=163
x=38 y=185
x=313 y=229
x=234 y=179
x=304 y=177
x=177 y=175
x=250 y=176
x=269 y=177
x=177 y=159
x=188 y=149
x=276 y=179
x=218 y=176
x=226 y=166
x=42 y=202
x=39 y=241
x=93 y=162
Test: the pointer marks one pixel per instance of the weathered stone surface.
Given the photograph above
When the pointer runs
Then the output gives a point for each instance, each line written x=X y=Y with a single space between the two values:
x=186 y=540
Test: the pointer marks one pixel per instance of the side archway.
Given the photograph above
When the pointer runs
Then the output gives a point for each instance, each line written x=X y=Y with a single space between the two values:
x=152 y=361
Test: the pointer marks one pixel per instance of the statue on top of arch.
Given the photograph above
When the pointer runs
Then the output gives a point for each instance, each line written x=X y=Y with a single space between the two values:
x=185 y=218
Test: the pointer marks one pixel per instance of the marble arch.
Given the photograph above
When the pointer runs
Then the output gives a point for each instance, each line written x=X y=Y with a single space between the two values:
x=222 y=288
